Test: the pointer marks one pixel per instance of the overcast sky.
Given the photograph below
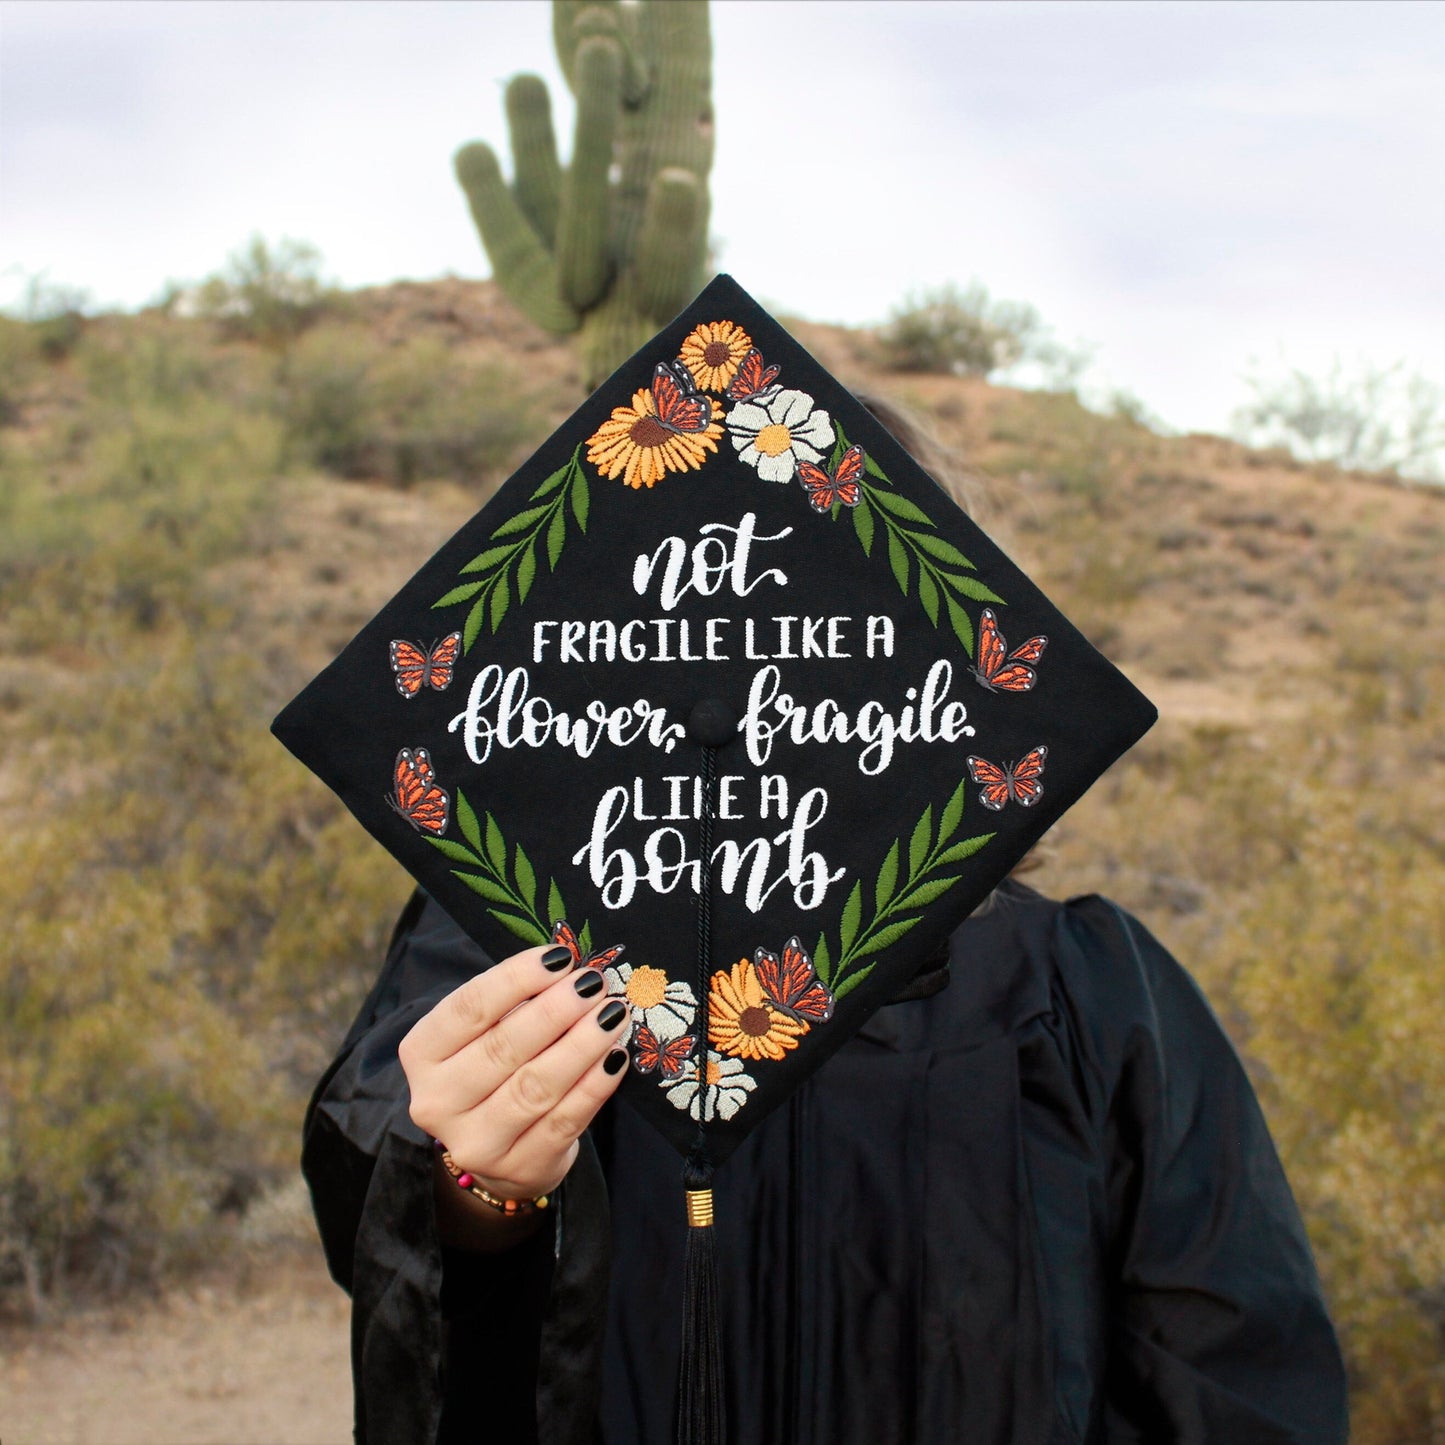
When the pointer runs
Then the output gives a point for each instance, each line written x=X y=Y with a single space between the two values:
x=1186 y=187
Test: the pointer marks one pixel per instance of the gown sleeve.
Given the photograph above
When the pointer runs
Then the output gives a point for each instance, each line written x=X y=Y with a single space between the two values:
x=1219 y=1328
x=444 y=1345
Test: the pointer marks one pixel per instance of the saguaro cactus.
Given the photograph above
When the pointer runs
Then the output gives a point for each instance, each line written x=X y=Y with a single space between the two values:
x=615 y=245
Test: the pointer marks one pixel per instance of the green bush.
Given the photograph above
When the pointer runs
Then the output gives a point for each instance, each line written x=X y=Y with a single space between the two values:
x=266 y=293
x=361 y=409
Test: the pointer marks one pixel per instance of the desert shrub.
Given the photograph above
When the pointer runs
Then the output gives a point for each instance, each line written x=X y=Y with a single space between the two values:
x=18 y=352
x=360 y=409
x=1371 y=418
x=266 y=293
x=960 y=332
x=189 y=930
x=967 y=332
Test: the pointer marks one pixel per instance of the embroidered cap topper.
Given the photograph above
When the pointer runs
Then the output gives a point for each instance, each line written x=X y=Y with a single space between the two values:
x=719 y=634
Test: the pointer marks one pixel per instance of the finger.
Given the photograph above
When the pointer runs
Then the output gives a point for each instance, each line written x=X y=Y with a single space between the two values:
x=535 y=1153
x=473 y=1008
x=536 y=1088
x=475 y=1072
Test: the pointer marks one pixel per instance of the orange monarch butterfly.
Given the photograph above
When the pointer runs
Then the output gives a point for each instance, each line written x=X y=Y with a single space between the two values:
x=791 y=984
x=649 y=1052
x=681 y=407
x=753 y=379
x=1017 y=781
x=417 y=797
x=417 y=667
x=600 y=958
x=1000 y=670
x=823 y=490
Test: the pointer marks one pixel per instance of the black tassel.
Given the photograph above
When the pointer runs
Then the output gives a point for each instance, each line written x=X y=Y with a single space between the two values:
x=700 y=1419
x=699 y=1379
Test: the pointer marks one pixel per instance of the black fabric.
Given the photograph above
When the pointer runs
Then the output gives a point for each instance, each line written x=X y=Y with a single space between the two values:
x=1040 y=1205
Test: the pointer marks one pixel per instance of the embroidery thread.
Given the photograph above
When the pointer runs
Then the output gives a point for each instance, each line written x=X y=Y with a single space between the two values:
x=415 y=793
x=416 y=667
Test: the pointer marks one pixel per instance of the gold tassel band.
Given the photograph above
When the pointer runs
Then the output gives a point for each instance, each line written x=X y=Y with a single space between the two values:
x=699 y=1208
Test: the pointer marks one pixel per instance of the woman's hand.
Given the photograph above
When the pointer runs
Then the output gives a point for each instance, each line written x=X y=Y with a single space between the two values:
x=507 y=1071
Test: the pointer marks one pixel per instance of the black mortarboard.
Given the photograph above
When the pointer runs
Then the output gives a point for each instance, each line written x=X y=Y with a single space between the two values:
x=720 y=630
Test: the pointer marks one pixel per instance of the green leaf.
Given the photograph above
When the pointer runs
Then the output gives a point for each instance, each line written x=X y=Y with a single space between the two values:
x=496 y=848
x=899 y=506
x=556 y=537
x=920 y=842
x=852 y=982
x=873 y=469
x=863 y=525
x=526 y=877
x=962 y=627
x=490 y=558
x=581 y=500
x=526 y=571
x=555 y=911
x=839 y=447
x=887 y=877
x=520 y=522
x=852 y=916
x=822 y=960
x=952 y=813
x=885 y=937
x=963 y=850
x=972 y=587
x=501 y=600
x=898 y=560
x=584 y=939
x=937 y=547
x=473 y=627
x=925 y=893
x=928 y=595
x=554 y=481
x=467 y=822
x=455 y=851
x=459 y=594
x=480 y=883
x=524 y=928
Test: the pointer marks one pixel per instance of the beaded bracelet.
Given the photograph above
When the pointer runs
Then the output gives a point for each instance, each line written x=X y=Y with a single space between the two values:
x=510 y=1207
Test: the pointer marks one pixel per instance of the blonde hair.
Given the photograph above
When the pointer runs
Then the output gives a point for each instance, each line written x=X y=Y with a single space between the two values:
x=915 y=436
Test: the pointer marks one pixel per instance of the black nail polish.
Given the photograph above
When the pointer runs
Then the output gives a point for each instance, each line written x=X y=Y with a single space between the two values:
x=556 y=959
x=612 y=1014
x=589 y=984
x=616 y=1061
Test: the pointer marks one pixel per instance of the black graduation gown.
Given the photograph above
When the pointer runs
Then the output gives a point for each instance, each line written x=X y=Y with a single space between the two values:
x=1039 y=1206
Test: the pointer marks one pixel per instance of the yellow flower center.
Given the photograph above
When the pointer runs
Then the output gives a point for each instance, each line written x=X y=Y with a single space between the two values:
x=774 y=440
x=714 y=1072
x=647 y=987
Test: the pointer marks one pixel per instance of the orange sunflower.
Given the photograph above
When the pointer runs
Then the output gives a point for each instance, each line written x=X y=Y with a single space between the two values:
x=713 y=353
x=742 y=1023
x=634 y=445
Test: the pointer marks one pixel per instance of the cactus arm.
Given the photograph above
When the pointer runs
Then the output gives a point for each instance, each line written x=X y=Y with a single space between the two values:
x=572 y=22
x=536 y=174
x=672 y=246
x=675 y=126
x=520 y=263
x=583 y=264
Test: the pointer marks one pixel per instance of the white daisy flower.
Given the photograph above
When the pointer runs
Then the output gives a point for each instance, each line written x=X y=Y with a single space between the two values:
x=774 y=433
x=726 y=1091
x=665 y=1005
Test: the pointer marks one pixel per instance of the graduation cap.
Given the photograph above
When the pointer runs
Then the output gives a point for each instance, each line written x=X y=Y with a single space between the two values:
x=725 y=692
